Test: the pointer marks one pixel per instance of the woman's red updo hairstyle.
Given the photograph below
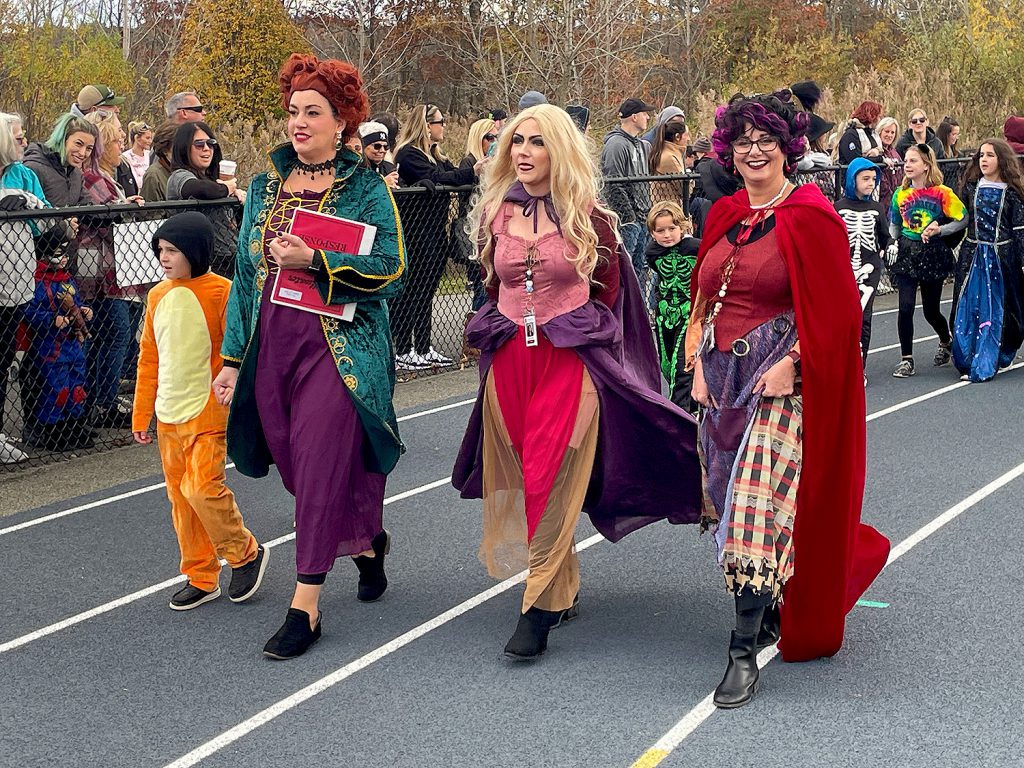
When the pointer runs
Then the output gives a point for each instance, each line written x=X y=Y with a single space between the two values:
x=337 y=81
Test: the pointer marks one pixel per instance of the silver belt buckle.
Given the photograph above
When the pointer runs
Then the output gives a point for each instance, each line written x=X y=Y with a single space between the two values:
x=741 y=347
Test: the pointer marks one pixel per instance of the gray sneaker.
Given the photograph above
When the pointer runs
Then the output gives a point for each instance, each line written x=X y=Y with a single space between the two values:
x=905 y=369
x=942 y=355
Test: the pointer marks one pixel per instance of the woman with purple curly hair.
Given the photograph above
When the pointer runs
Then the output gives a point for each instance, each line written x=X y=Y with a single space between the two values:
x=774 y=344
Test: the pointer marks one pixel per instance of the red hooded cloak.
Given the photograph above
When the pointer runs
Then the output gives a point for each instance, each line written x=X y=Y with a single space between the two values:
x=836 y=557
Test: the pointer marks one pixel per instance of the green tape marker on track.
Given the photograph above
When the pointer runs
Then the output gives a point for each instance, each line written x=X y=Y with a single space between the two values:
x=871 y=604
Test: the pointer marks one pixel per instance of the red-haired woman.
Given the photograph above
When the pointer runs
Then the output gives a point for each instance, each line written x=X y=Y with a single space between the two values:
x=859 y=139
x=309 y=392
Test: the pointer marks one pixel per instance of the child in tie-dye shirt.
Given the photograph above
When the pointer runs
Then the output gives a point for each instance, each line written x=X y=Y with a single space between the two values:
x=924 y=216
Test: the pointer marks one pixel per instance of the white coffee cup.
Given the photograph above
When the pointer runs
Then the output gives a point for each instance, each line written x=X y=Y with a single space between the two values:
x=227 y=169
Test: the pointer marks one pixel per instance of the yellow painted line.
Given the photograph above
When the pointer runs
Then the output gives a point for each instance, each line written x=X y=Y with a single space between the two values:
x=706 y=708
x=650 y=758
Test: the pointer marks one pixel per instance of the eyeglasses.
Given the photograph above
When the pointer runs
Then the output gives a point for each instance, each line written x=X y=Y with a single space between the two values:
x=746 y=146
x=436 y=122
x=918 y=120
x=380 y=147
x=197 y=108
x=490 y=137
x=200 y=143
x=23 y=139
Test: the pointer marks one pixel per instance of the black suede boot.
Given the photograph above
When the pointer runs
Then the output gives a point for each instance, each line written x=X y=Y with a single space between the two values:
x=740 y=681
x=372 y=580
x=771 y=627
x=294 y=637
x=530 y=639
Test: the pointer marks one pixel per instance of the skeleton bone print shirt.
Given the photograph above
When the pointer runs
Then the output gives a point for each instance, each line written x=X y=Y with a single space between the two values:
x=868 y=232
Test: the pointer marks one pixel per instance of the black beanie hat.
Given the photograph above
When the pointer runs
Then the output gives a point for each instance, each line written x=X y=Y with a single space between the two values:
x=190 y=232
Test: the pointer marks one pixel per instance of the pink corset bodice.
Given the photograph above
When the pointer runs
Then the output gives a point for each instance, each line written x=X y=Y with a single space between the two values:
x=557 y=288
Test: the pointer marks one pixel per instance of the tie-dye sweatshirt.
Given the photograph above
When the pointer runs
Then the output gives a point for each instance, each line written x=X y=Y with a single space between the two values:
x=913 y=209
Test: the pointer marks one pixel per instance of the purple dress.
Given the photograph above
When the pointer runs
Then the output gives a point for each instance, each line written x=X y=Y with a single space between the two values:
x=312 y=428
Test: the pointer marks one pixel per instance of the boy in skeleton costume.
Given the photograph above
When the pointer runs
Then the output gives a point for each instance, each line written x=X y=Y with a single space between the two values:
x=868 y=230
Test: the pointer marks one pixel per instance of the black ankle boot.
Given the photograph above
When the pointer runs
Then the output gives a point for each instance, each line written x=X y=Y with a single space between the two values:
x=771 y=628
x=740 y=681
x=294 y=637
x=530 y=639
x=372 y=580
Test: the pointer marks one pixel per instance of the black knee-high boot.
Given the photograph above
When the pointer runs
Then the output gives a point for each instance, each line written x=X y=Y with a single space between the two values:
x=740 y=680
x=771 y=627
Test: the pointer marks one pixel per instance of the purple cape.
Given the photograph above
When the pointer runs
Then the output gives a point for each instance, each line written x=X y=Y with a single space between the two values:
x=646 y=467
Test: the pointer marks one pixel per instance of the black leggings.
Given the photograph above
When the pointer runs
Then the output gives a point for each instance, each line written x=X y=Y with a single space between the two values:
x=931 y=295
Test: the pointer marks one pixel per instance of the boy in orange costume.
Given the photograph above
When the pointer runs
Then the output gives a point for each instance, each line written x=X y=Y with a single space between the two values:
x=179 y=357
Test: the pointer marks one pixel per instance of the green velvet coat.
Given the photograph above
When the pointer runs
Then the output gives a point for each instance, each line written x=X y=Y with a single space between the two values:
x=361 y=349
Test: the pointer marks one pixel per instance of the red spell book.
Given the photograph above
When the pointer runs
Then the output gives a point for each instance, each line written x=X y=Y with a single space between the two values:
x=297 y=288
x=329 y=233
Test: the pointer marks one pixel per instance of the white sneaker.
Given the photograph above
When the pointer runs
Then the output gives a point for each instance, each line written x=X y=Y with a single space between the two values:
x=9 y=454
x=433 y=357
x=411 y=361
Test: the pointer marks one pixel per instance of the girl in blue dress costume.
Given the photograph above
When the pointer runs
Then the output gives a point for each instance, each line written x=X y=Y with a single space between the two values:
x=987 y=318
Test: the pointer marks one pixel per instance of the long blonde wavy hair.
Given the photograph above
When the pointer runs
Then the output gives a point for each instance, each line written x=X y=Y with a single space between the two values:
x=574 y=188
x=475 y=139
x=416 y=132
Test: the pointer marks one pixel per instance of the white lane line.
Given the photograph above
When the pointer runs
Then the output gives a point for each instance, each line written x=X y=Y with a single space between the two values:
x=232 y=735
x=159 y=486
x=700 y=713
x=916 y=306
x=134 y=596
x=897 y=346
x=928 y=396
x=685 y=726
x=120 y=602
x=448 y=407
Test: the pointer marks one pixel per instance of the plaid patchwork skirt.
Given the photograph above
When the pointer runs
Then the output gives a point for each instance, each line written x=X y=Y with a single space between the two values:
x=750 y=451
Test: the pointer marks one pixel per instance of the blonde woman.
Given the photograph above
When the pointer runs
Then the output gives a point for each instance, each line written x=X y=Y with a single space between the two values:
x=482 y=139
x=116 y=316
x=888 y=130
x=919 y=132
x=569 y=414
x=421 y=161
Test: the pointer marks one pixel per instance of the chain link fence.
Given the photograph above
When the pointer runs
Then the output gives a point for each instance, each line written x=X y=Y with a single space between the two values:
x=73 y=285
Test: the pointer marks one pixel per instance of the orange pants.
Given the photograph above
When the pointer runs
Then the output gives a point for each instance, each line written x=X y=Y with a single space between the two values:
x=205 y=515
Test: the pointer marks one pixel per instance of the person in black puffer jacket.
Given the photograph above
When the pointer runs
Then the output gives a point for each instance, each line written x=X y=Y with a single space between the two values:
x=918 y=132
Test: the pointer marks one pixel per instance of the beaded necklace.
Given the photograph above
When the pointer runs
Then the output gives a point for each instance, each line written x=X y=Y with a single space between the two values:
x=747 y=228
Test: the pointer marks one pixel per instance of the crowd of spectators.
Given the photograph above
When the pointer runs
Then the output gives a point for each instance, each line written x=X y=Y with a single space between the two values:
x=91 y=157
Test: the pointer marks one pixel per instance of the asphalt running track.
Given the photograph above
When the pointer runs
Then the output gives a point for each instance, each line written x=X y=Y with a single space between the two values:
x=95 y=670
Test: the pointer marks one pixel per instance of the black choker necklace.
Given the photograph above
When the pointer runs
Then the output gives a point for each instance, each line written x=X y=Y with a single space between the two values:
x=312 y=169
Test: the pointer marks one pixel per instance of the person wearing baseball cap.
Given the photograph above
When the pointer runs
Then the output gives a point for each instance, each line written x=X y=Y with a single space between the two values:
x=93 y=97
x=625 y=154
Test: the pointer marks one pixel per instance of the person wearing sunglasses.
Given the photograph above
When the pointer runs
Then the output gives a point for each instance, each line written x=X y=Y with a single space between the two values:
x=195 y=161
x=19 y=189
x=374 y=139
x=919 y=132
x=184 y=107
x=421 y=161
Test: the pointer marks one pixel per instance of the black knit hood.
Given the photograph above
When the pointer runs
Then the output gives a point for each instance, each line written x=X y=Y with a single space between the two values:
x=190 y=233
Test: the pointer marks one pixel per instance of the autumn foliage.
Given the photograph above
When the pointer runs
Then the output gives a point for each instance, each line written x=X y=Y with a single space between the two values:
x=955 y=57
